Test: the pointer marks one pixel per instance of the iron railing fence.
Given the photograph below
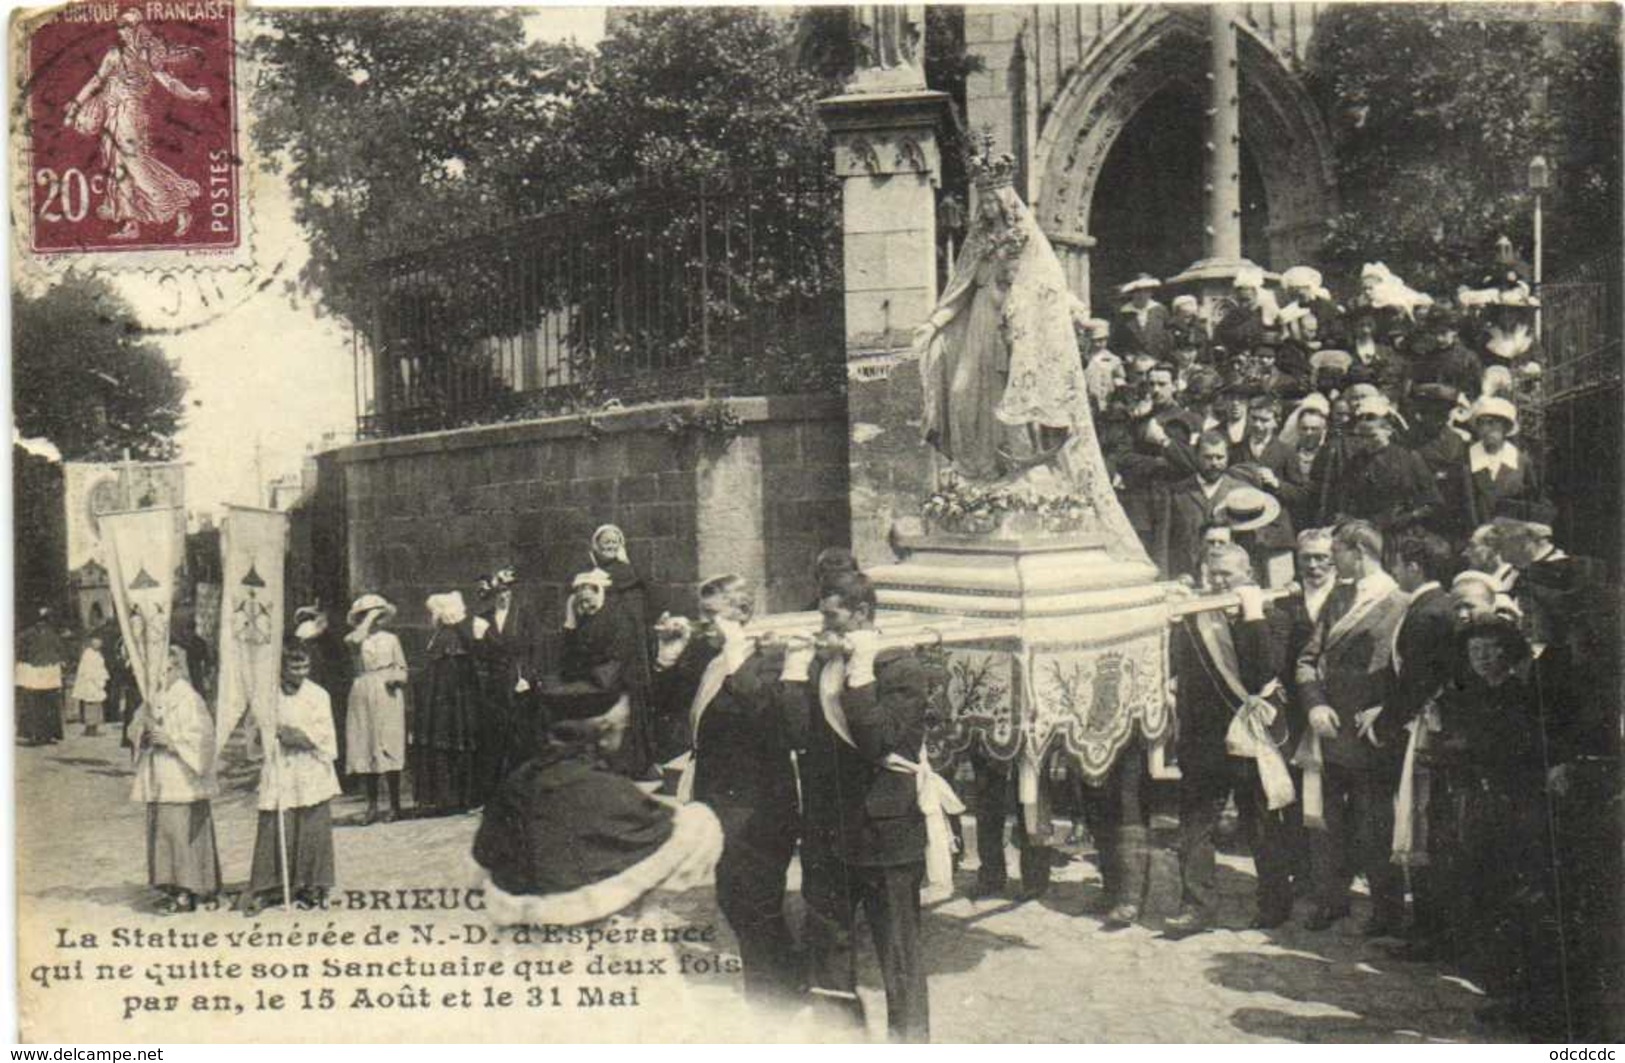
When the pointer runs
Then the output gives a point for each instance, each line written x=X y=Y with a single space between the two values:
x=729 y=286
x=1581 y=324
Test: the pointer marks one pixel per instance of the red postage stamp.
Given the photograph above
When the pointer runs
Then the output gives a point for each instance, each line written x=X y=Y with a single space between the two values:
x=132 y=130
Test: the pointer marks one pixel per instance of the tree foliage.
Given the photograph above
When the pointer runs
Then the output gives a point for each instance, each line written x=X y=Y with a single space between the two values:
x=1435 y=115
x=83 y=377
x=398 y=127
x=404 y=128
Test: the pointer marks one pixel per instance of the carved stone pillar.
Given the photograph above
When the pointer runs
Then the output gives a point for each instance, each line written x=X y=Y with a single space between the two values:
x=1222 y=234
x=886 y=156
x=1073 y=251
x=889 y=41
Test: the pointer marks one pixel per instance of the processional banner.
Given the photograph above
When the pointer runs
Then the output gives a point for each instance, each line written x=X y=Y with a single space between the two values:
x=1015 y=701
x=253 y=546
x=141 y=564
x=91 y=489
x=1091 y=697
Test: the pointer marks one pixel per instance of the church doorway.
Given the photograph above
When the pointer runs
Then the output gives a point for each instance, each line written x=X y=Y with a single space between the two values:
x=1149 y=207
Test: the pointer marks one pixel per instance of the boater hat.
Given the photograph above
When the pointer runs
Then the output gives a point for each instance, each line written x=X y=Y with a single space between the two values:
x=368 y=603
x=1247 y=509
x=1495 y=406
x=1143 y=282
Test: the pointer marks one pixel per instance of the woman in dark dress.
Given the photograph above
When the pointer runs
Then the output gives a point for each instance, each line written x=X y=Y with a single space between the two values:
x=1508 y=889
x=628 y=599
x=445 y=732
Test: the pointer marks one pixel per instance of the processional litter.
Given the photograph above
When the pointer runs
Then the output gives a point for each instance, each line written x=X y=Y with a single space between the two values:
x=1004 y=548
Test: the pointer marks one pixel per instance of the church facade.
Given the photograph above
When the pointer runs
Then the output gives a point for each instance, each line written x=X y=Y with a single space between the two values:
x=1110 y=110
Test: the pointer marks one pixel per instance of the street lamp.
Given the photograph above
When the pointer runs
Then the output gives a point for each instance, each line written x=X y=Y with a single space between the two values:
x=1540 y=179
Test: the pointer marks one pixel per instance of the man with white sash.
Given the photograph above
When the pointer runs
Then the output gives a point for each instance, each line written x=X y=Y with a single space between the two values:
x=1232 y=727
x=857 y=719
x=1424 y=661
x=1342 y=676
x=741 y=767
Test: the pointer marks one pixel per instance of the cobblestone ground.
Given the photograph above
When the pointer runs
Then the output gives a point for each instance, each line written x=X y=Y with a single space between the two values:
x=1000 y=970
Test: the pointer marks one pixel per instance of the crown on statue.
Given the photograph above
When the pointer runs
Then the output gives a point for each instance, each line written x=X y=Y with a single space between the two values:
x=991 y=171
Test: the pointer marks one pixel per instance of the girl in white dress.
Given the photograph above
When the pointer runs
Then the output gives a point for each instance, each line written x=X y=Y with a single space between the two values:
x=375 y=735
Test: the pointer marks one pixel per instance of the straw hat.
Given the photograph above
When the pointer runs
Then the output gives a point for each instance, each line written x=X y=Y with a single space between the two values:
x=1247 y=509
x=1143 y=282
x=1495 y=406
x=368 y=603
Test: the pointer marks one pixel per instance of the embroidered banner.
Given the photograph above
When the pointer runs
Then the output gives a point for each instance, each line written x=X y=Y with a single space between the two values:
x=253 y=545
x=1091 y=698
x=141 y=562
x=973 y=706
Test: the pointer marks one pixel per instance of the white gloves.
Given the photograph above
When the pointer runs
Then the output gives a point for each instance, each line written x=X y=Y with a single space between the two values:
x=672 y=634
x=1252 y=601
x=1365 y=721
x=1324 y=721
x=861 y=648
x=798 y=658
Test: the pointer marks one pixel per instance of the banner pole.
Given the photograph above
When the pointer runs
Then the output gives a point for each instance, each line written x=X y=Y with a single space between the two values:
x=281 y=818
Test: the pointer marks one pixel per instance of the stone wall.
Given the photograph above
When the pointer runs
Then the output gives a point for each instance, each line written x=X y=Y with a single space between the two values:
x=430 y=513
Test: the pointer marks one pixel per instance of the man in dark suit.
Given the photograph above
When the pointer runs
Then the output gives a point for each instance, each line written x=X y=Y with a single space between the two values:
x=1145 y=446
x=1424 y=660
x=741 y=767
x=1385 y=483
x=508 y=653
x=1265 y=460
x=1343 y=676
x=1292 y=622
x=1189 y=505
x=1438 y=357
x=1445 y=455
x=1141 y=326
x=1225 y=665
x=857 y=719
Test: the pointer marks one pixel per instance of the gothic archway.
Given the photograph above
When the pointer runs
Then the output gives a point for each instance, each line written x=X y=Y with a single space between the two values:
x=1144 y=54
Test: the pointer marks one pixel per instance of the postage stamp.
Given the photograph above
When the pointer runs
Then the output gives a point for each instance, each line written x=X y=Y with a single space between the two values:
x=130 y=125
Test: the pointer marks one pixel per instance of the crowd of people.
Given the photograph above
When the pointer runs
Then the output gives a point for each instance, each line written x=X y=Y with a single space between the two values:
x=1421 y=698
x=1424 y=697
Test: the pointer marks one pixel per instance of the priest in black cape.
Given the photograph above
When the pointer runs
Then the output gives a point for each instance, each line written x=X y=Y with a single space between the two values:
x=566 y=841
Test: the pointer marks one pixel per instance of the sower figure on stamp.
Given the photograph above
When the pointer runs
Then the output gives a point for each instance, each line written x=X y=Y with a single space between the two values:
x=297 y=783
x=858 y=720
x=116 y=105
x=740 y=766
x=1232 y=727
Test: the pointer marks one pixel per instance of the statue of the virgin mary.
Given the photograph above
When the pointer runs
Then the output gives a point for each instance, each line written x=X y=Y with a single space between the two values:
x=1005 y=399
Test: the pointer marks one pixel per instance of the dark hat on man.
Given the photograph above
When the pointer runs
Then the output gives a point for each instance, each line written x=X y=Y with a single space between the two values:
x=1443 y=394
x=1534 y=511
x=1202 y=383
x=1186 y=425
x=1440 y=317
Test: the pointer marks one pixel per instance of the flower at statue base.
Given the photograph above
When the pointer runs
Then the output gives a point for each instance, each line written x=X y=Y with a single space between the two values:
x=967 y=509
